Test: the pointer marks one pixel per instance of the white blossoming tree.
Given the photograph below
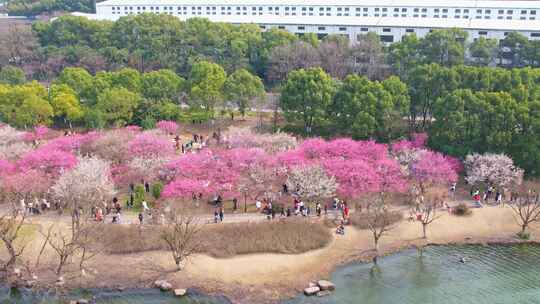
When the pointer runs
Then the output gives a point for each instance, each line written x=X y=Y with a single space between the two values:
x=311 y=182
x=9 y=135
x=148 y=168
x=87 y=184
x=271 y=143
x=495 y=169
x=12 y=145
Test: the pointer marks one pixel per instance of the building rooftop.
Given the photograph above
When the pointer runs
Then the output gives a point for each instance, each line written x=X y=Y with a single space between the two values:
x=481 y=24
x=379 y=3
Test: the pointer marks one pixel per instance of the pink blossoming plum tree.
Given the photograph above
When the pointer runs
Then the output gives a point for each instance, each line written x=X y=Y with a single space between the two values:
x=168 y=126
x=47 y=160
x=150 y=145
x=432 y=168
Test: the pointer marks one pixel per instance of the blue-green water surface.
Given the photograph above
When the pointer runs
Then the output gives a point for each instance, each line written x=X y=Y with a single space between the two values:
x=490 y=275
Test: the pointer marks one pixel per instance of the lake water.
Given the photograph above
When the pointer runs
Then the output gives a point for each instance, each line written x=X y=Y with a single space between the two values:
x=490 y=275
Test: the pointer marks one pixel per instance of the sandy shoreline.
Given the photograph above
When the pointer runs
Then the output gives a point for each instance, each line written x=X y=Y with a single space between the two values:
x=269 y=278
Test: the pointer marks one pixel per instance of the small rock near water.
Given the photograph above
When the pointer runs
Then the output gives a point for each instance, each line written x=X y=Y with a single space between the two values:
x=324 y=293
x=311 y=284
x=179 y=292
x=310 y=291
x=82 y=301
x=163 y=285
x=326 y=285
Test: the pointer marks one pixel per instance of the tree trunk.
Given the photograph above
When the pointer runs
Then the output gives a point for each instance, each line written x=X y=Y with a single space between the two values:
x=524 y=227
x=60 y=266
x=424 y=226
x=12 y=256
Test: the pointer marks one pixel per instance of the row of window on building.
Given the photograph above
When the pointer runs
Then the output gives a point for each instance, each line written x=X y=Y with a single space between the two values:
x=457 y=13
x=366 y=29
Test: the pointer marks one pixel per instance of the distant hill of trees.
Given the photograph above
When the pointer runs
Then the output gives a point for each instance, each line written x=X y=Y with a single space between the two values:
x=38 y=7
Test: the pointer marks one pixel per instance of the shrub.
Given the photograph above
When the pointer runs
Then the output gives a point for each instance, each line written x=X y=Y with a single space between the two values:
x=94 y=119
x=462 y=210
x=148 y=122
x=139 y=196
x=524 y=235
x=157 y=188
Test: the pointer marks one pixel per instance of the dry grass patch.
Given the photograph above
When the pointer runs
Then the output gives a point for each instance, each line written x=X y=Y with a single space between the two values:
x=361 y=220
x=290 y=236
x=226 y=240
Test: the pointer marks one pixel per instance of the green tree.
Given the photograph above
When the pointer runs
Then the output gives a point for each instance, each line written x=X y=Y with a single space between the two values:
x=532 y=53
x=241 y=87
x=162 y=84
x=33 y=111
x=152 y=40
x=401 y=104
x=12 y=75
x=404 y=55
x=426 y=84
x=79 y=80
x=24 y=105
x=207 y=80
x=270 y=39
x=72 y=30
x=366 y=109
x=118 y=105
x=65 y=104
x=444 y=47
x=101 y=82
x=306 y=95
x=513 y=49
x=483 y=51
x=33 y=8
x=466 y=122
x=93 y=118
x=127 y=78
x=311 y=38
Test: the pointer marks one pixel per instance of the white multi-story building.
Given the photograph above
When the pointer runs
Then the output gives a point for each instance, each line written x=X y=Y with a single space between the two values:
x=390 y=19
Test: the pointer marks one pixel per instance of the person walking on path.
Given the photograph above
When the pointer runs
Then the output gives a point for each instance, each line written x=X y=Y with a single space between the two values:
x=216 y=216
x=221 y=214
x=235 y=204
x=147 y=187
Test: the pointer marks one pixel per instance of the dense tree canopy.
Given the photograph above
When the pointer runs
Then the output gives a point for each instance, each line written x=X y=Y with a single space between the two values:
x=306 y=95
x=12 y=75
x=207 y=80
x=365 y=108
x=37 y=7
x=241 y=87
